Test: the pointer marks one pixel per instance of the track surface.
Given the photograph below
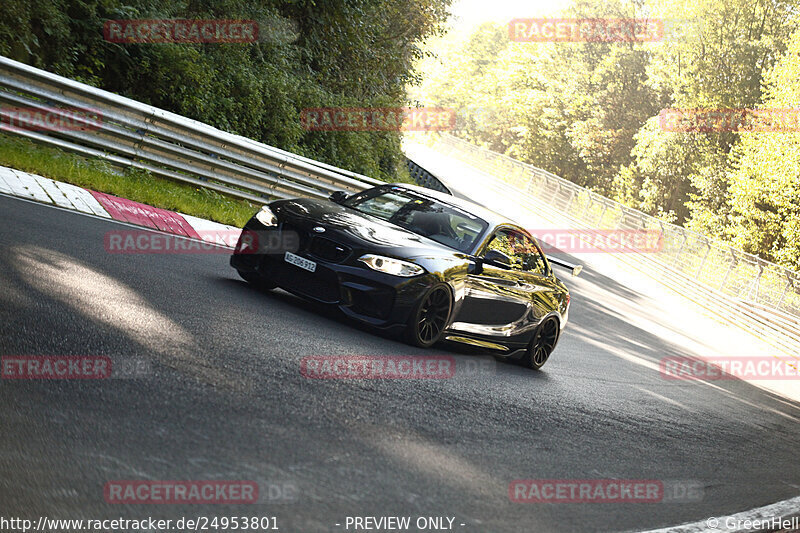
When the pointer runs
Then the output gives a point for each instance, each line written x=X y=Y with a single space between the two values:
x=221 y=397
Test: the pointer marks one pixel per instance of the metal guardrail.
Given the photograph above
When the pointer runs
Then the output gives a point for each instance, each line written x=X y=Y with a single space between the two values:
x=753 y=292
x=133 y=134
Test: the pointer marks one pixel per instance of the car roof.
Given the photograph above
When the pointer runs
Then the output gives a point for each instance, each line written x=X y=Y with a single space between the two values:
x=493 y=218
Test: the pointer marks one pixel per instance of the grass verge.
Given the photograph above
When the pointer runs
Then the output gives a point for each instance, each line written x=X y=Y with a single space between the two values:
x=137 y=185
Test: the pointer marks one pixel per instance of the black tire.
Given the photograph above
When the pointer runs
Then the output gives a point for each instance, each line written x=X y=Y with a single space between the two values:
x=542 y=344
x=254 y=279
x=428 y=321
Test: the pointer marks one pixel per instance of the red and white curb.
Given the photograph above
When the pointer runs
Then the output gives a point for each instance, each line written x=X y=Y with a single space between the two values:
x=44 y=190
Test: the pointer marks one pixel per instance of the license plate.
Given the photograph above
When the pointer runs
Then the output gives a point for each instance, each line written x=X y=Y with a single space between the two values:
x=301 y=262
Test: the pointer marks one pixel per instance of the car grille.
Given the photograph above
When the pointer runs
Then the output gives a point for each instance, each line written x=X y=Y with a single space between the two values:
x=328 y=250
x=301 y=235
x=321 y=285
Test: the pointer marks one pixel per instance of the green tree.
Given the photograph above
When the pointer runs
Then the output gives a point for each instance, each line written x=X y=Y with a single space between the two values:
x=765 y=181
x=714 y=58
x=338 y=53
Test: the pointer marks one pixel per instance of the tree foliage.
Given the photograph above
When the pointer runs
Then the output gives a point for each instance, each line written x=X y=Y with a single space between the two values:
x=765 y=178
x=589 y=111
x=310 y=53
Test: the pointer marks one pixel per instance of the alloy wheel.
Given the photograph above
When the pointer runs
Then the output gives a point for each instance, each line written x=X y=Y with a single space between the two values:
x=543 y=343
x=431 y=318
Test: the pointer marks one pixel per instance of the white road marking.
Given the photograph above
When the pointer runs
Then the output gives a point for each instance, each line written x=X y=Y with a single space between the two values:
x=32 y=186
x=4 y=187
x=84 y=197
x=75 y=198
x=663 y=398
x=53 y=191
x=213 y=231
x=14 y=183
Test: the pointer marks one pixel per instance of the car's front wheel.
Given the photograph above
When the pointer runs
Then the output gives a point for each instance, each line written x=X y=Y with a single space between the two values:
x=542 y=344
x=255 y=279
x=428 y=321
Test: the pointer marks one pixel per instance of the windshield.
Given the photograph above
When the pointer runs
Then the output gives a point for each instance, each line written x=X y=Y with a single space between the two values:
x=440 y=222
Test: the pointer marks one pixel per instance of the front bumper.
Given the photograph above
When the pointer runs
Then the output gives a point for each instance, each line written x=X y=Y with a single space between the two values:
x=375 y=298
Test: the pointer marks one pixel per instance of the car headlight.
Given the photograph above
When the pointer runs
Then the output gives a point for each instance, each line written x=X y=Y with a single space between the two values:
x=391 y=266
x=267 y=217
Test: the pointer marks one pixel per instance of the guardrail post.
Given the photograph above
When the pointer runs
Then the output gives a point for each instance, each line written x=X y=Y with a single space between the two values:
x=662 y=237
x=530 y=183
x=586 y=209
x=785 y=290
x=623 y=217
x=757 y=282
x=148 y=120
x=680 y=248
x=703 y=261
x=569 y=201
x=555 y=193
x=602 y=214
x=734 y=262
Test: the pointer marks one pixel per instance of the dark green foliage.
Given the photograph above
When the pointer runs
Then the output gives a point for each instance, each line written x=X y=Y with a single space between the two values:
x=352 y=53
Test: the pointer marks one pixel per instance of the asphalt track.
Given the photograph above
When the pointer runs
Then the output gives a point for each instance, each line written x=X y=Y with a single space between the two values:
x=218 y=394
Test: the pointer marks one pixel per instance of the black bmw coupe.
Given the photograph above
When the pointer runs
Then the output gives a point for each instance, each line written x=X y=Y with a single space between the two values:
x=402 y=257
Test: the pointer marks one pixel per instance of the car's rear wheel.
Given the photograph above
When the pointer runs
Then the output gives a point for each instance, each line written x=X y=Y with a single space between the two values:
x=542 y=344
x=255 y=279
x=429 y=319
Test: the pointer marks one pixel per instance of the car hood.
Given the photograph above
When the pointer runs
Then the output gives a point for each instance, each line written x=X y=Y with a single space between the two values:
x=356 y=227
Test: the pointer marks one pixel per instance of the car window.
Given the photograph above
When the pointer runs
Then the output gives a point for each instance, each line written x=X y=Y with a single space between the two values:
x=531 y=256
x=466 y=229
x=502 y=241
x=523 y=252
x=383 y=206
x=441 y=222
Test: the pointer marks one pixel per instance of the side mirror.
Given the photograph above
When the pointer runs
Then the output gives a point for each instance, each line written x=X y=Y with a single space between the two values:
x=475 y=265
x=338 y=197
x=497 y=258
